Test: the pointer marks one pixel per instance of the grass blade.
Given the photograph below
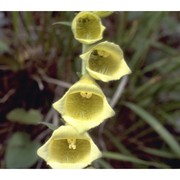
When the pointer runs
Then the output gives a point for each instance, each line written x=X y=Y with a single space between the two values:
x=156 y=152
x=66 y=23
x=49 y=125
x=118 y=144
x=103 y=164
x=122 y=157
x=157 y=126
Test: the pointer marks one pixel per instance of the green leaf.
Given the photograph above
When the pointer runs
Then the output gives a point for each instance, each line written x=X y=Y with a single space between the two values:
x=22 y=116
x=118 y=144
x=122 y=157
x=103 y=164
x=49 y=125
x=66 y=23
x=157 y=126
x=157 y=152
x=21 y=151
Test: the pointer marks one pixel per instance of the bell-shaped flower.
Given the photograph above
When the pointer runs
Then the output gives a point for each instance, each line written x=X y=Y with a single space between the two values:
x=105 y=62
x=68 y=149
x=84 y=105
x=87 y=27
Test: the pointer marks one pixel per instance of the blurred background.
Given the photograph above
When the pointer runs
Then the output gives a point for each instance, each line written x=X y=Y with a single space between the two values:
x=39 y=61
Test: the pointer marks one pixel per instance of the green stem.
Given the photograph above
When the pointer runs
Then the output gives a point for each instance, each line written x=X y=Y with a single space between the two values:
x=83 y=67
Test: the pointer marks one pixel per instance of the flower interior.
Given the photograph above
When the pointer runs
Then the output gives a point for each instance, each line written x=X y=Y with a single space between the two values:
x=69 y=150
x=83 y=105
x=103 y=62
x=88 y=27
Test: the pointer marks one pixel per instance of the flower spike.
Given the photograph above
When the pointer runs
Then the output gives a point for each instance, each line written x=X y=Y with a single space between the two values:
x=87 y=27
x=84 y=105
x=67 y=149
x=105 y=62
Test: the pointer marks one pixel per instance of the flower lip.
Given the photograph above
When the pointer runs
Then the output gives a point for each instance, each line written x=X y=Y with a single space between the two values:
x=87 y=27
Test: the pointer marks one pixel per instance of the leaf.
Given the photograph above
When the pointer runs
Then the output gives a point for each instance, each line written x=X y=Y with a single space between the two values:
x=21 y=151
x=102 y=163
x=156 y=152
x=122 y=157
x=49 y=125
x=157 y=126
x=66 y=23
x=118 y=144
x=22 y=116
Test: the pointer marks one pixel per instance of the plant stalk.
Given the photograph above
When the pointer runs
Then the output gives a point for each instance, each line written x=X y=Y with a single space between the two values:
x=83 y=66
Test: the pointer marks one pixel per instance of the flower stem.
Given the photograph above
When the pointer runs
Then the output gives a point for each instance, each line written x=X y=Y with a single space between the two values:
x=83 y=66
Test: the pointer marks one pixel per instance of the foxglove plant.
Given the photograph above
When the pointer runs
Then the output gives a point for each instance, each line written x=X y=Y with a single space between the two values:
x=84 y=105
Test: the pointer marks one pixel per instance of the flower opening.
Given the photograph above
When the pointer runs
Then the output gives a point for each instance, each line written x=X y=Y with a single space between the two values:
x=84 y=105
x=66 y=148
x=105 y=62
x=87 y=27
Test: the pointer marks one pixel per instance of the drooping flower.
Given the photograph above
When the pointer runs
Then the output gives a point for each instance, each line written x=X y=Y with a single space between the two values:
x=68 y=149
x=105 y=61
x=87 y=27
x=84 y=105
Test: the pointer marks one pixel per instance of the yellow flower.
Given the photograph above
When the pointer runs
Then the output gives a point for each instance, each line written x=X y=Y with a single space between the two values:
x=103 y=13
x=84 y=105
x=87 y=27
x=105 y=61
x=68 y=149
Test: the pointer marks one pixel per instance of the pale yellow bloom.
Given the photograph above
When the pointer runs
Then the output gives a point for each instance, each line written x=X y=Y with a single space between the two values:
x=103 y=13
x=87 y=27
x=105 y=61
x=68 y=149
x=84 y=105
